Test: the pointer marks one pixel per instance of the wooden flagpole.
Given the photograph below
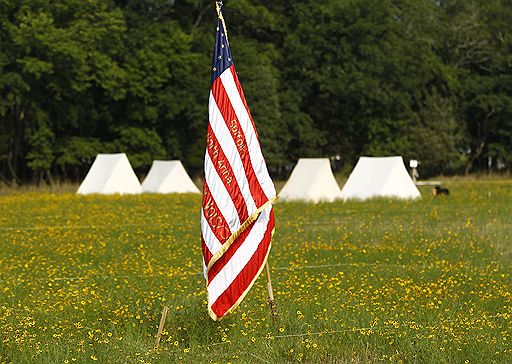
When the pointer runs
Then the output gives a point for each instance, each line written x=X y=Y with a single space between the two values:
x=271 y=302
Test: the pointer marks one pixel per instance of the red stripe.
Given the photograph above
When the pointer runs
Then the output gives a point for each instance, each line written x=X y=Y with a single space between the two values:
x=242 y=96
x=206 y=252
x=214 y=216
x=233 y=124
x=246 y=276
x=225 y=172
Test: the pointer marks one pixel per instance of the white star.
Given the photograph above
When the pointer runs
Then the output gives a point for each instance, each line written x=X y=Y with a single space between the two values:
x=217 y=28
x=214 y=69
x=229 y=59
x=219 y=57
x=222 y=45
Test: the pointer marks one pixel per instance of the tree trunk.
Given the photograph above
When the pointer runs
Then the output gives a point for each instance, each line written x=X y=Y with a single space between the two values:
x=477 y=154
x=50 y=178
x=4 y=178
x=12 y=170
x=15 y=153
x=200 y=15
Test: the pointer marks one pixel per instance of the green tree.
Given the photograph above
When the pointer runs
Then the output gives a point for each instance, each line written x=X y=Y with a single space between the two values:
x=58 y=59
x=74 y=154
x=436 y=138
x=429 y=80
x=477 y=45
x=41 y=151
x=362 y=70
x=142 y=146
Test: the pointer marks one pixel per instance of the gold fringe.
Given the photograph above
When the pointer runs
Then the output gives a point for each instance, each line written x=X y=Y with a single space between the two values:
x=237 y=233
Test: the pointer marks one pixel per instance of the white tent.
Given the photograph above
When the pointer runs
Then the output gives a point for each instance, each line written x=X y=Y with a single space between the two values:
x=168 y=177
x=311 y=180
x=379 y=177
x=110 y=173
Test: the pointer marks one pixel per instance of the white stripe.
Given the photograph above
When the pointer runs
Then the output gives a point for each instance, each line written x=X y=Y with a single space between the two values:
x=220 y=195
x=212 y=243
x=230 y=150
x=239 y=260
x=257 y=160
x=205 y=270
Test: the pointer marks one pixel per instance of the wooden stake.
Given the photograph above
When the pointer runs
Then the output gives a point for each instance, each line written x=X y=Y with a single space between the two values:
x=161 y=326
x=271 y=301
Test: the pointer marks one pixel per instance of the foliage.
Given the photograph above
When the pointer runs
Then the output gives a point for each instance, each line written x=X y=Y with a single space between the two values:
x=436 y=137
x=142 y=145
x=74 y=152
x=424 y=79
x=40 y=156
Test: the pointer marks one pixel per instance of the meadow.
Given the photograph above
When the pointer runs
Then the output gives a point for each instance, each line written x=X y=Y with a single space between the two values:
x=84 y=279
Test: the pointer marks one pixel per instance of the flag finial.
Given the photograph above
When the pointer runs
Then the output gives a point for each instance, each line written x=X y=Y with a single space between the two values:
x=218 y=5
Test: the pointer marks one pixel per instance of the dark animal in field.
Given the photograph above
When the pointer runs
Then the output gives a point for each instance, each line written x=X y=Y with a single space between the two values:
x=438 y=190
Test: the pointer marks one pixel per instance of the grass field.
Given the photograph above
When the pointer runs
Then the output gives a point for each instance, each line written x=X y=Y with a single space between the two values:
x=83 y=279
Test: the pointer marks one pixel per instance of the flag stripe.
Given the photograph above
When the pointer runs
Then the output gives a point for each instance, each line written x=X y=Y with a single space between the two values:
x=239 y=260
x=247 y=274
x=242 y=96
x=258 y=162
x=205 y=270
x=211 y=239
x=225 y=139
x=226 y=174
x=214 y=219
x=207 y=255
x=220 y=195
x=237 y=134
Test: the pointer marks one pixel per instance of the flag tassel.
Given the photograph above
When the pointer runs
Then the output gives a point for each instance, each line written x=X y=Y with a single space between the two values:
x=271 y=302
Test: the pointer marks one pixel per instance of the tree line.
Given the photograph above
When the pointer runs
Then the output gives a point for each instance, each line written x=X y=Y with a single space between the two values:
x=427 y=79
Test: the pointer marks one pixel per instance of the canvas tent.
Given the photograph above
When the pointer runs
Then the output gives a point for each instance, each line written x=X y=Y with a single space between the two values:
x=311 y=180
x=168 y=177
x=110 y=173
x=379 y=177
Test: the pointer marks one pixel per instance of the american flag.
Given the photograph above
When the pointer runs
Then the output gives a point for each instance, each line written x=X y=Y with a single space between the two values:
x=237 y=218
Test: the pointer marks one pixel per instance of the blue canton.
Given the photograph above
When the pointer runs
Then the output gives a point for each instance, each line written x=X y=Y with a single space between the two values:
x=221 y=54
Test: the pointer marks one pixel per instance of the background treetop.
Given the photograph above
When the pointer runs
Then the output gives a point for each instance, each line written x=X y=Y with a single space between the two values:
x=429 y=80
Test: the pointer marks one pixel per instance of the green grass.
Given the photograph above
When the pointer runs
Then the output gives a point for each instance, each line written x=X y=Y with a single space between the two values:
x=84 y=279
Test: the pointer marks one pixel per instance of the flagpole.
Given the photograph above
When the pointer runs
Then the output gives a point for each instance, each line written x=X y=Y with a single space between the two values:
x=271 y=302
